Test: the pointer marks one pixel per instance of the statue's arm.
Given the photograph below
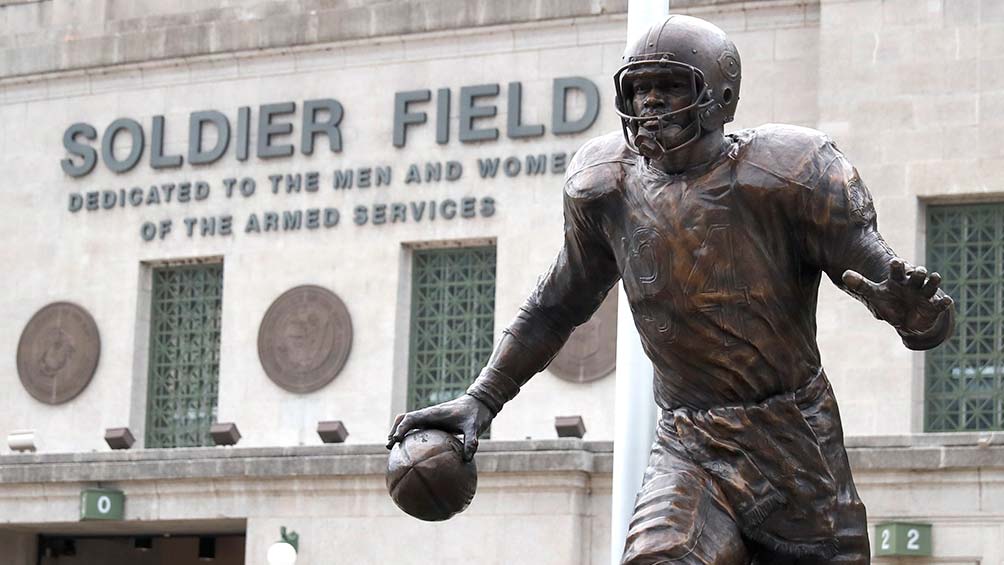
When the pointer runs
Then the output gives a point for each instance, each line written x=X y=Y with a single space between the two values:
x=565 y=296
x=842 y=237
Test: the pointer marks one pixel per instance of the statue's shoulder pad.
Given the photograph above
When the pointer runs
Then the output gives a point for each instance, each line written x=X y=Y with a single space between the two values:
x=598 y=167
x=784 y=154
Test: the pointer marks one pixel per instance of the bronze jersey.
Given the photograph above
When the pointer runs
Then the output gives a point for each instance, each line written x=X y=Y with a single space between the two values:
x=722 y=265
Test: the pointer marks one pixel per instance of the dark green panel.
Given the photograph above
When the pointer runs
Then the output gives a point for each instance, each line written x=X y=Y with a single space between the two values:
x=102 y=504
x=964 y=377
x=184 y=355
x=901 y=538
x=452 y=318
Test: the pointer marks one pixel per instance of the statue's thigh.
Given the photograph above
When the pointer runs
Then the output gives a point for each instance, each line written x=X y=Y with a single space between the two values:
x=680 y=517
x=852 y=535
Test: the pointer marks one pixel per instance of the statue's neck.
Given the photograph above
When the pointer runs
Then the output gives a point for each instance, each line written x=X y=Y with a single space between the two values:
x=702 y=152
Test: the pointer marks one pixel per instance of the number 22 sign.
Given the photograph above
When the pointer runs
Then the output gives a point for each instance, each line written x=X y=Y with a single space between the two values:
x=901 y=538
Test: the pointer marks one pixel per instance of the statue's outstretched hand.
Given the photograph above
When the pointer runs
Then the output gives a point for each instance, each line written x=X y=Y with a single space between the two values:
x=908 y=299
x=464 y=415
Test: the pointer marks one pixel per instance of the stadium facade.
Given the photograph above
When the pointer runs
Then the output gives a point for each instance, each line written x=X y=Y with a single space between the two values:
x=275 y=214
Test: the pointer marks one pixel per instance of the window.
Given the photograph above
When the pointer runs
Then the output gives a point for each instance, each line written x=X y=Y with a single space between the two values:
x=964 y=381
x=184 y=355
x=452 y=318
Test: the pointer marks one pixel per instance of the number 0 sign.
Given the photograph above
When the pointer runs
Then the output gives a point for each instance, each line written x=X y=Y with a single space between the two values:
x=102 y=504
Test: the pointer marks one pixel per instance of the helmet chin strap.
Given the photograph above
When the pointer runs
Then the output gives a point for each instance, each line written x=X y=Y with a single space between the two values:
x=651 y=146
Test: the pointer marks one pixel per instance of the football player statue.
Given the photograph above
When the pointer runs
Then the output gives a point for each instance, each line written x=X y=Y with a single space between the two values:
x=720 y=241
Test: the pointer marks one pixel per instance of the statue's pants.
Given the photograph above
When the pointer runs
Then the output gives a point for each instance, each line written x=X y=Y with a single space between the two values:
x=682 y=514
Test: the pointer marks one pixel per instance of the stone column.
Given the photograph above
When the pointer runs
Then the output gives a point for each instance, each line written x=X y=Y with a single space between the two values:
x=634 y=409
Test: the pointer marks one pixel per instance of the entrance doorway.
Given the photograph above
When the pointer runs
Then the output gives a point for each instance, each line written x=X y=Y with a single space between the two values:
x=142 y=549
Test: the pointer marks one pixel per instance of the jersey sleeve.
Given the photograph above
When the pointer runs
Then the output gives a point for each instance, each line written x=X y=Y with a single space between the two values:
x=841 y=233
x=566 y=295
x=578 y=279
x=839 y=221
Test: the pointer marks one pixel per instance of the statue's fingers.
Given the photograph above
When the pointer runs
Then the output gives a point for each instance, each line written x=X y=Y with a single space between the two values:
x=405 y=424
x=944 y=303
x=897 y=270
x=858 y=284
x=931 y=286
x=917 y=277
x=470 y=443
x=397 y=421
x=390 y=437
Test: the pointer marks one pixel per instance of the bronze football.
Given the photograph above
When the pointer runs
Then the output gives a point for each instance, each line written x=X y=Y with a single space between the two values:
x=427 y=476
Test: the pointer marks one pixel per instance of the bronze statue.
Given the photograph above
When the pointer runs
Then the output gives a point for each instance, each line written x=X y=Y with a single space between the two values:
x=720 y=241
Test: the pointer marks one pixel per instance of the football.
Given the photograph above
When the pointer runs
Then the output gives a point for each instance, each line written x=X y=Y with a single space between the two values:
x=427 y=476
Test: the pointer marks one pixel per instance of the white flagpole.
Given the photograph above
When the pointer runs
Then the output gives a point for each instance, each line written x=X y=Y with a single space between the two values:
x=634 y=402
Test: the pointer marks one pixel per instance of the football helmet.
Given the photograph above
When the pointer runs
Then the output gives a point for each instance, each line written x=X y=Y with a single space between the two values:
x=709 y=61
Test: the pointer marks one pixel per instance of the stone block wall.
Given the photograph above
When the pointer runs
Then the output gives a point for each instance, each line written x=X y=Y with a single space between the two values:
x=540 y=502
x=907 y=90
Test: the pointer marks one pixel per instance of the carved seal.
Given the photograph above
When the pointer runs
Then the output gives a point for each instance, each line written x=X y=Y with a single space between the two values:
x=305 y=338
x=58 y=352
x=591 y=352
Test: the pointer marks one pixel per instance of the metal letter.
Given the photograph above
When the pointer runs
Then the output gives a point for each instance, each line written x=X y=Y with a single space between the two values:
x=467 y=206
x=514 y=129
x=198 y=156
x=487 y=206
x=243 y=125
x=266 y=130
x=86 y=152
x=329 y=127
x=469 y=112
x=443 y=116
x=403 y=118
x=157 y=158
x=313 y=218
x=560 y=123
x=360 y=215
x=331 y=217
x=108 y=144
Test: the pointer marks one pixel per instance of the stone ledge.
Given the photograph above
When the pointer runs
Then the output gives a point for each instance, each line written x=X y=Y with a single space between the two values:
x=56 y=46
x=927 y=440
x=563 y=455
x=535 y=456
x=41 y=36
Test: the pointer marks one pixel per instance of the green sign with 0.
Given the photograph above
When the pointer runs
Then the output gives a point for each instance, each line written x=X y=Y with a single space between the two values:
x=102 y=504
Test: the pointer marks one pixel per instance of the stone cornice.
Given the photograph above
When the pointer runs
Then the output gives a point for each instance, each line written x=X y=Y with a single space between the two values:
x=46 y=37
x=965 y=451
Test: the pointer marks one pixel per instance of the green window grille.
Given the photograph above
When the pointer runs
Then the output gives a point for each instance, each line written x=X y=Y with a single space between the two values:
x=452 y=319
x=184 y=355
x=964 y=380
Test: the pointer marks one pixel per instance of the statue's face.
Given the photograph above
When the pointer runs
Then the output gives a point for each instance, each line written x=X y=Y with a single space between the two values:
x=658 y=93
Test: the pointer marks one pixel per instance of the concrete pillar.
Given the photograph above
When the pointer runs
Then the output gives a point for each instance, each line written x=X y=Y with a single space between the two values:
x=635 y=409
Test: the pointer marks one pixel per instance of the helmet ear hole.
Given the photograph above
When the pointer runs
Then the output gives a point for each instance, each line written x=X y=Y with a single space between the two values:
x=727 y=95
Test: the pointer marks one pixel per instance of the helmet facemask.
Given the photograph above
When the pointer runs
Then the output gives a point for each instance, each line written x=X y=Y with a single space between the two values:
x=641 y=137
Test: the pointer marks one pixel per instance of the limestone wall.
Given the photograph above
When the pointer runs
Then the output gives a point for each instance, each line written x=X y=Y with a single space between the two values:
x=541 y=502
x=907 y=89
x=100 y=259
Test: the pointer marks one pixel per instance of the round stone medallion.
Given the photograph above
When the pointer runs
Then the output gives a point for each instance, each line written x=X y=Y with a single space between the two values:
x=58 y=352
x=591 y=352
x=305 y=338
